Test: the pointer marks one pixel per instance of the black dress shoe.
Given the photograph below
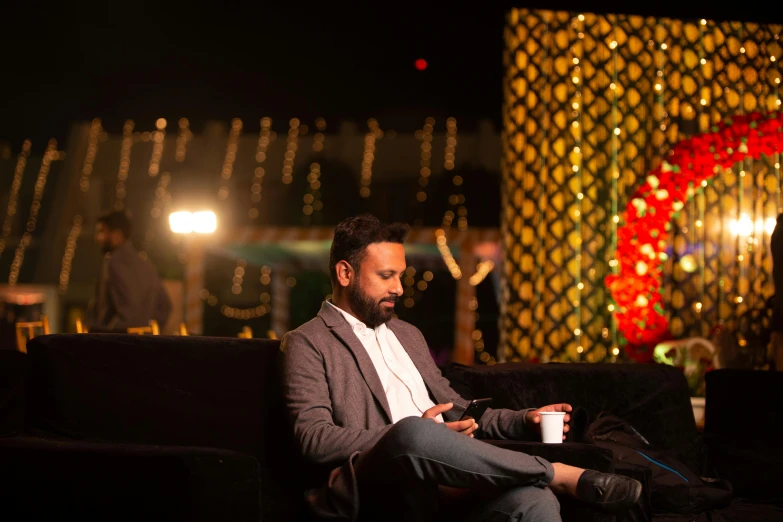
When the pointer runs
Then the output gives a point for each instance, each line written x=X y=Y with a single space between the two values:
x=606 y=492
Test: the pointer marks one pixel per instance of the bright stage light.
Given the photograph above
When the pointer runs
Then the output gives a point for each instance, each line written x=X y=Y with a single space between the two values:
x=181 y=222
x=184 y=222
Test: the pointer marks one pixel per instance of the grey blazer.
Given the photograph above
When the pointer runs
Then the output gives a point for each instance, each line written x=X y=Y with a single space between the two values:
x=337 y=406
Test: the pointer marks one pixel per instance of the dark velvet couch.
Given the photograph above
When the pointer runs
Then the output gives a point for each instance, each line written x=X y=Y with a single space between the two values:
x=100 y=427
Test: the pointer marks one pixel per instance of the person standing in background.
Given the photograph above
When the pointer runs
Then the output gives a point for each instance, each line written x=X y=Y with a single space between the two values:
x=129 y=292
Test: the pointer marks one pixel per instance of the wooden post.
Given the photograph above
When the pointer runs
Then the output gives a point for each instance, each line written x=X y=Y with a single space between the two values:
x=281 y=297
x=194 y=283
x=465 y=318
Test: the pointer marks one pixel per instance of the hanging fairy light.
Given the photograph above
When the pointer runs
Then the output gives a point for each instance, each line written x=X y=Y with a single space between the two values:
x=49 y=156
x=70 y=252
x=290 y=151
x=478 y=341
x=183 y=137
x=259 y=172
x=84 y=185
x=231 y=155
x=318 y=139
x=13 y=195
x=89 y=159
x=162 y=196
x=122 y=174
x=445 y=252
x=451 y=144
x=413 y=290
x=244 y=313
x=312 y=200
x=615 y=168
x=239 y=274
x=482 y=271
x=158 y=140
x=369 y=156
x=425 y=135
x=577 y=168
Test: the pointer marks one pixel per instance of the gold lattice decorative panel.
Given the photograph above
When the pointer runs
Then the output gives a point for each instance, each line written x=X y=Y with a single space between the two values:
x=591 y=104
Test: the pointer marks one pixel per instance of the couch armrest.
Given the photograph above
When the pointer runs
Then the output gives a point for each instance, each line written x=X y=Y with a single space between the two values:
x=588 y=456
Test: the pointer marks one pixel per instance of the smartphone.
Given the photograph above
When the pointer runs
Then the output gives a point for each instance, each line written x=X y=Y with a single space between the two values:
x=476 y=409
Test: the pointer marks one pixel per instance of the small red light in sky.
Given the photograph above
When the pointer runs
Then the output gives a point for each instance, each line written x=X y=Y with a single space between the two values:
x=420 y=64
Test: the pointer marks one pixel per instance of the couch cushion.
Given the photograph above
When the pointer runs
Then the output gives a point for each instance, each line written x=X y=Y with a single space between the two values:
x=64 y=480
x=188 y=391
x=653 y=398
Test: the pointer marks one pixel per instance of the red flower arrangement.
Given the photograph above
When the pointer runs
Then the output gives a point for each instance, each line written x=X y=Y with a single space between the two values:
x=642 y=240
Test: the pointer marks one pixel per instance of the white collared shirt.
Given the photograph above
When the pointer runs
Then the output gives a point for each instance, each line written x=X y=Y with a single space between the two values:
x=405 y=390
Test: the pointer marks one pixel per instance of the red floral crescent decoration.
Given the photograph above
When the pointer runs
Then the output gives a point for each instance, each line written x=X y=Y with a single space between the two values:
x=642 y=240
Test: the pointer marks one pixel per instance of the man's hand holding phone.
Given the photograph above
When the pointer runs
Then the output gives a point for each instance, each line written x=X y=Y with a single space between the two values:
x=464 y=426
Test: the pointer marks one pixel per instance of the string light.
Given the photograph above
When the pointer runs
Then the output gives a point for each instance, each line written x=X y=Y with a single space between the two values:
x=70 y=252
x=369 y=156
x=89 y=159
x=318 y=139
x=414 y=291
x=84 y=185
x=49 y=156
x=482 y=271
x=451 y=143
x=230 y=158
x=239 y=274
x=244 y=314
x=577 y=168
x=478 y=344
x=162 y=196
x=425 y=135
x=264 y=138
x=700 y=193
x=613 y=264
x=266 y=276
x=13 y=195
x=741 y=271
x=122 y=174
x=183 y=137
x=158 y=140
x=312 y=200
x=445 y=252
x=290 y=152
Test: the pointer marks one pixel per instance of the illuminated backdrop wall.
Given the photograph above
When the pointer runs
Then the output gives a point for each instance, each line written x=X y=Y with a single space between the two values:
x=591 y=104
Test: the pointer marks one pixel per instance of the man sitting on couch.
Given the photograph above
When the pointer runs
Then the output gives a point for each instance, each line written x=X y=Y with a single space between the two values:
x=364 y=395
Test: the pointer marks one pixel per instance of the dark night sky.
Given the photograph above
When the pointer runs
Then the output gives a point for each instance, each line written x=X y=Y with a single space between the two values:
x=143 y=60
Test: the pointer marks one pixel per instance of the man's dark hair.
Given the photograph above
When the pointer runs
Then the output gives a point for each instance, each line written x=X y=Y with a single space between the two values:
x=353 y=235
x=116 y=220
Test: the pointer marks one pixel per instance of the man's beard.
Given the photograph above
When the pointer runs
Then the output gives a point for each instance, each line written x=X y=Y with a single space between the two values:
x=367 y=310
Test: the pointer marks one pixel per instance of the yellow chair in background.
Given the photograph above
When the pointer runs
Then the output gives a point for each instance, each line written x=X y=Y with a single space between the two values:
x=141 y=330
x=30 y=326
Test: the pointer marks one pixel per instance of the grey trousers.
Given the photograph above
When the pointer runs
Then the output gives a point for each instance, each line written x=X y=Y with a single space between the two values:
x=398 y=478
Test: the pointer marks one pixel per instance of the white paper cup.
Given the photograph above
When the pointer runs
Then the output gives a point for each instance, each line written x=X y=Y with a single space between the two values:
x=552 y=426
